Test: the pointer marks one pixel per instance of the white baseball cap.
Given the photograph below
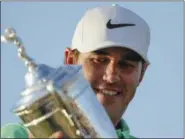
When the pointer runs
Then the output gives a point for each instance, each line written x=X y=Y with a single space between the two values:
x=112 y=26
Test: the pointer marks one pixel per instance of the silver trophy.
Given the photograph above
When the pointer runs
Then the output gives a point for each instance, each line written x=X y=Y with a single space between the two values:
x=58 y=99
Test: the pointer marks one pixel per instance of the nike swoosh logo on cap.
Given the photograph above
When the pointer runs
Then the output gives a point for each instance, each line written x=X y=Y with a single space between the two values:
x=112 y=26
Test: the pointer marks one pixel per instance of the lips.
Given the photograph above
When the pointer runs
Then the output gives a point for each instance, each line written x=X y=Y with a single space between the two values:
x=109 y=92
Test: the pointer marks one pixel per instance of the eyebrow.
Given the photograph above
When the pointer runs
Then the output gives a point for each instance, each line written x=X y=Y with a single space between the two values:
x=129 y=55
x=100 y=52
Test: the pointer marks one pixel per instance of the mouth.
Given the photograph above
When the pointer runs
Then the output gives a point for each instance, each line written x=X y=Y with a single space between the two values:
x=108 y=92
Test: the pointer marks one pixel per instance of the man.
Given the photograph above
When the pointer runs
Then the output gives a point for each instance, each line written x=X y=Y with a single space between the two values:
x=111 y=44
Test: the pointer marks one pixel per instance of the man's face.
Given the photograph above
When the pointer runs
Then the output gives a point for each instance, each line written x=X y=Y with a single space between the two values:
x=114 y=74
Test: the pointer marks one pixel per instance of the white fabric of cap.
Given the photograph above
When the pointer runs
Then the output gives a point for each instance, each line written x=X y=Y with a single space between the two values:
x=93 y=34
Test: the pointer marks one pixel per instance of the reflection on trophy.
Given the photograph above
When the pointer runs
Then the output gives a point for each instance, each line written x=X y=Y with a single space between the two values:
x=58 y=99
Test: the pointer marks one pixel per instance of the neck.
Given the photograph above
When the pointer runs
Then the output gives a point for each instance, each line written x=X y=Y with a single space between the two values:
x=118 y=125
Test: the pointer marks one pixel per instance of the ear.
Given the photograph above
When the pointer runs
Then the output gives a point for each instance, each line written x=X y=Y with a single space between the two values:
x=144 y=67
x=69 y=58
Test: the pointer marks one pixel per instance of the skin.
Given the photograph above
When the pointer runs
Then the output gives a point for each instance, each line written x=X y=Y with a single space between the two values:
x=118 y=70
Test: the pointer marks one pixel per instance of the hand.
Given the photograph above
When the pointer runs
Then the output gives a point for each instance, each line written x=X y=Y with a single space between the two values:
x=57 y=135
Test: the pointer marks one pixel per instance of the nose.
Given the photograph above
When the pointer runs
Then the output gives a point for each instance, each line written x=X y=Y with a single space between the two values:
x=112 y=73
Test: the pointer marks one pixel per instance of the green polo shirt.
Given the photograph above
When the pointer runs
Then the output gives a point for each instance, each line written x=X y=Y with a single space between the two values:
x=18 y=131
x=123 y=130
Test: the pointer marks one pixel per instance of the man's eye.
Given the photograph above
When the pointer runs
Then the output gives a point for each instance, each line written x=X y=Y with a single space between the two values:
x=100 y=60
x=126 y=65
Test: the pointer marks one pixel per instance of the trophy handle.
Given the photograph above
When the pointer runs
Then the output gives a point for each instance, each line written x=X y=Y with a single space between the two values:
x=11 y=37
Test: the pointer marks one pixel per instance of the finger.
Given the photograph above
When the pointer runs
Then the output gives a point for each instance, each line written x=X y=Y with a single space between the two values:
x=30 y=136
x=58 y=135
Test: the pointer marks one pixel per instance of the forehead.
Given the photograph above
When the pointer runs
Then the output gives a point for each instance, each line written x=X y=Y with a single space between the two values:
x=117 y=52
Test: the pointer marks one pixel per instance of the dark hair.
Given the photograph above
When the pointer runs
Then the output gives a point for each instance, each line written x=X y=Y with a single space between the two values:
x=133 y=55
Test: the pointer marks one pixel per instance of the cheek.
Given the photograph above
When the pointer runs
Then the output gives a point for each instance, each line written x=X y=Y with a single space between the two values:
x=131 y=82
x=133 y=78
